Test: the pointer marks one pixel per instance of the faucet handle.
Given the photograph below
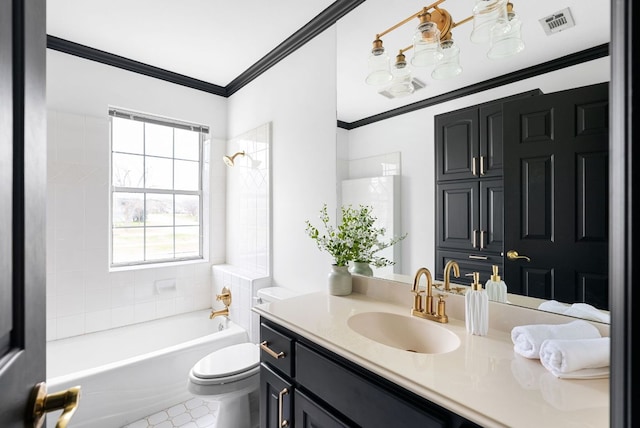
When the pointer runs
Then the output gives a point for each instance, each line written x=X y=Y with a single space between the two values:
x=441 y=311
x=225 y=296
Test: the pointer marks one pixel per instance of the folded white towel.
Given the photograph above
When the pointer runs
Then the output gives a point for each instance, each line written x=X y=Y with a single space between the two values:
x=578 y=310
x=554 y=306
x=588 y=312
x=576 y=358
x=528 y=338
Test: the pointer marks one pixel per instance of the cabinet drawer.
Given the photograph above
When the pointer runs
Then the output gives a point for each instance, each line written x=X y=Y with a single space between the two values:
x=469 y=262
x=276 y=349
x=358 y=399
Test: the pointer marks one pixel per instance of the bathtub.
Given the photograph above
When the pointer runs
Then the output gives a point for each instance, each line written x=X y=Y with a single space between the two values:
x=131 y=372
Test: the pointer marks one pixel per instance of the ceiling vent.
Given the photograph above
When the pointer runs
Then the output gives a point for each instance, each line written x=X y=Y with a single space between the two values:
x=557 y=22
x=417 y=85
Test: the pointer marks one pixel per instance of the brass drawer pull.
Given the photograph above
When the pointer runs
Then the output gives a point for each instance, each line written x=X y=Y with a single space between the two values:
x=478 y=257
x=270 y=351
x=283 y=422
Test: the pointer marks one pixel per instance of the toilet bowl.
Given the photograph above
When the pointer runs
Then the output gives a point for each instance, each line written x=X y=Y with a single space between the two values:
x=231 y=377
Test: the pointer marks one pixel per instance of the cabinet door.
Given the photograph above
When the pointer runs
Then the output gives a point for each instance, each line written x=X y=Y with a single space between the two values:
x=275 y=399
x=359 y=399
x=491 y=216
x=458 y=215
x=309 y=414
x=491 y=141
x=457 y=153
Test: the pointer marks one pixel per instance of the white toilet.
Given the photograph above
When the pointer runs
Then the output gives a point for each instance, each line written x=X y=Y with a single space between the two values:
x=230 y=376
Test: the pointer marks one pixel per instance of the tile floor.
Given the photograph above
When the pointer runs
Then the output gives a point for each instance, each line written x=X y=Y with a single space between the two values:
x=193 y=413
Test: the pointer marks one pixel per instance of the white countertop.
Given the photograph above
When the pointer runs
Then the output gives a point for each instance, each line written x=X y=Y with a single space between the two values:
x=483 y=380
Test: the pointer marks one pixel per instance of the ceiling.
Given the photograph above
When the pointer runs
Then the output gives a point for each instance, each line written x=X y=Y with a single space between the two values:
x=216 y=41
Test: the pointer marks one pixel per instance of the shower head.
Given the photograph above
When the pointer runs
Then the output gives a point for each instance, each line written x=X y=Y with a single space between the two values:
x=229 y=160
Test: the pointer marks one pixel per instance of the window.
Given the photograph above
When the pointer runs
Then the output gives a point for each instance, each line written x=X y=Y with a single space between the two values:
x=156 y=189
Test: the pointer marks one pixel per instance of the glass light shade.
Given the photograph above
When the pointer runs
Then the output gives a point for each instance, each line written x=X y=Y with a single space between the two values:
x=401 y=84
x=486 y=15
x=506 y=44
x=449 y=66
x=426 y=45
x=378 y=66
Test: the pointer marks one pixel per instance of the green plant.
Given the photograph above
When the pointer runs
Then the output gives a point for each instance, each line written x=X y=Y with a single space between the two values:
x=367 y=238
x=355 y=239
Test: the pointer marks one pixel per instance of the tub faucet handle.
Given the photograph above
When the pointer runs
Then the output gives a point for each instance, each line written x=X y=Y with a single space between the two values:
x=225 y=296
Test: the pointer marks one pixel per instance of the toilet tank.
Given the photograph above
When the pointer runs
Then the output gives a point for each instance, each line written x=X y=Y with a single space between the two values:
x=266 y=295
x=273 y=294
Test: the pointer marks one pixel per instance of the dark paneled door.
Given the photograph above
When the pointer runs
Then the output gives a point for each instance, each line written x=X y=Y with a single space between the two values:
x=556 y=195
x=22 y=206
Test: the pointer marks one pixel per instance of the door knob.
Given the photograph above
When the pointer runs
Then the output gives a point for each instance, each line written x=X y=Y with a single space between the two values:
x=513 y=255
x=43 y=403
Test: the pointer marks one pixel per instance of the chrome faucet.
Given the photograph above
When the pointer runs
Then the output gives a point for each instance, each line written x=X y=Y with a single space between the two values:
x=447 y=273
x=427 y=311
x=225 y=297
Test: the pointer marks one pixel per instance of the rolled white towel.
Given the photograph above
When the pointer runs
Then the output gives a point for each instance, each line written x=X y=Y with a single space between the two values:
x=576 y=358
x=528 y=338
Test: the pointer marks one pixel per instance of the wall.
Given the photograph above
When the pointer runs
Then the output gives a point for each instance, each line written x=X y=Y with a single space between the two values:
x=413 y=135
x=82 y=295
x=298 y=97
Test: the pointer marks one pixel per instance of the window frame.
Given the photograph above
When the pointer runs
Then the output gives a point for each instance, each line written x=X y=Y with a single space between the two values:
x=203 y=131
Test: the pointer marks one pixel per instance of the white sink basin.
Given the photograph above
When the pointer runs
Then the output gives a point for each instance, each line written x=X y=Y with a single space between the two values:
x=404 y=332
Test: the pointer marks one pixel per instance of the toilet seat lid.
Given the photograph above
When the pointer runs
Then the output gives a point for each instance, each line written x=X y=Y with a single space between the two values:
x=228 y=361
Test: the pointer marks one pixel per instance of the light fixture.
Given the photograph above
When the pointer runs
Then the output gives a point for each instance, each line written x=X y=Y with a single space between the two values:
x=489 y=16
x=450 y=65
x=494 y=24
x=509 y=42
x=379 y=73
x=426 y=43
x=401 y=83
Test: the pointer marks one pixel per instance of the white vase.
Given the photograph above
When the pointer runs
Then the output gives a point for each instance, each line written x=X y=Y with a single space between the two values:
x=339 y=281
x=362 y=268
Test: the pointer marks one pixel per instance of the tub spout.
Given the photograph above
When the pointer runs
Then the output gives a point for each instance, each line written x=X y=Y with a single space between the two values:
x=225 y=297
x=221 y=312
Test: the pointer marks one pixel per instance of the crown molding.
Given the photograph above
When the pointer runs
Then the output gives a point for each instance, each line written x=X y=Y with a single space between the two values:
x=317 y=25
x=107 y=58
x=553 y=65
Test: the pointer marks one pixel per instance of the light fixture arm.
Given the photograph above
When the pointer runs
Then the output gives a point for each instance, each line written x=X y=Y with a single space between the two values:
x=408 y=19
x=440 y=17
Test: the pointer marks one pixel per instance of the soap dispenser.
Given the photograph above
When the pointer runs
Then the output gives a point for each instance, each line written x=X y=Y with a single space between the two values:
x=496 y=288
x=476 y=308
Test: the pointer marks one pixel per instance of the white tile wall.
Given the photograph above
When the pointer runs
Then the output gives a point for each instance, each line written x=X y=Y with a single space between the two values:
x=248 y=201
x=244 y=286
x=82 y=295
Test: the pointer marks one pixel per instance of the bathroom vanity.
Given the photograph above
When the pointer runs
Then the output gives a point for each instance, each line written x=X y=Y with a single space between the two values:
x=315 y=387
x=318 y=371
